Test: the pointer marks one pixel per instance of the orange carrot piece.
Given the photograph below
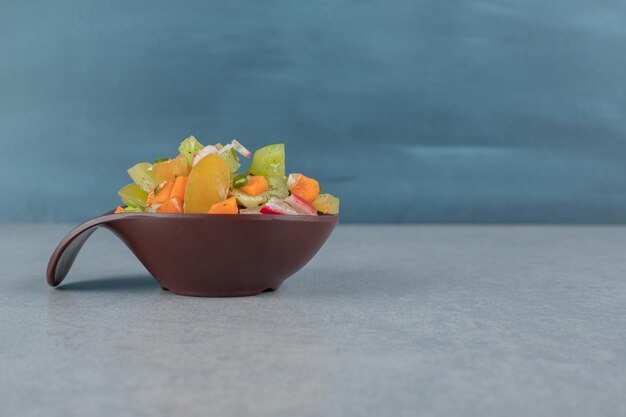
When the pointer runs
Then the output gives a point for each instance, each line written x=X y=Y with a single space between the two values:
x=304 y=187
x=178 y=191
x=257 y=184
x=228 y=206
x=163 y=195
x=170 y=206
x=118 y=210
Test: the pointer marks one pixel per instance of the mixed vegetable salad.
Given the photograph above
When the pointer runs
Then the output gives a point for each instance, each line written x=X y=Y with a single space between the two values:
x=206 y=179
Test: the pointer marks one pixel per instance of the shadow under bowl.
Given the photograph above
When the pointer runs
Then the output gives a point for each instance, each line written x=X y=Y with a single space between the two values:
x=207 y=255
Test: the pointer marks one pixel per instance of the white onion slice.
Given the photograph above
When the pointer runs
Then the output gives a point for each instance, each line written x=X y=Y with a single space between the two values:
x=225 y=149
x=207 y=150
x=241 y=149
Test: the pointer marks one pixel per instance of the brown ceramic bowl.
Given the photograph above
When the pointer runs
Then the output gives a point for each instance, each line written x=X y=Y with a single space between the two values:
x=207 y=255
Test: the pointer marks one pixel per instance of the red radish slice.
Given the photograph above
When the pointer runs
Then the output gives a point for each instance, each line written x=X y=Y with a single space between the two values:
x=300 y=205
x=276 y=206
x=292 y=180
x=269 y=210
x=241 y=149
x=207 y=150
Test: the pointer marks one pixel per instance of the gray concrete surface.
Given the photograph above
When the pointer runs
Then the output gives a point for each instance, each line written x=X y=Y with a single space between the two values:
x=385 y=321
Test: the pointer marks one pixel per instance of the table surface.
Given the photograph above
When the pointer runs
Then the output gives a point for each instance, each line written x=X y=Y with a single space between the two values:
x=385 y=321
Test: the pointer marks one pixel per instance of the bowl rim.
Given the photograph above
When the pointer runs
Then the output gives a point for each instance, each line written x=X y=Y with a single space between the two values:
x=320 y=218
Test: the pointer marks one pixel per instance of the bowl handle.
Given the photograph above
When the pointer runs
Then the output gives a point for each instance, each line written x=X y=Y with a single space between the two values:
x=66 y=251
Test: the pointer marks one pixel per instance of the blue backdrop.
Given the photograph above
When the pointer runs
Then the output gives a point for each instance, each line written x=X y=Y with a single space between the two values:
x=411 y=111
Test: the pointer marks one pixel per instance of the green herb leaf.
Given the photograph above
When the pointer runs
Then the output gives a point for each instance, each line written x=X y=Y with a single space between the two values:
x=156 y=161
x=130 y=204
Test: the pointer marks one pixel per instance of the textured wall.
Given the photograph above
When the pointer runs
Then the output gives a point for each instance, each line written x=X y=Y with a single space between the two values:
x=411 y=111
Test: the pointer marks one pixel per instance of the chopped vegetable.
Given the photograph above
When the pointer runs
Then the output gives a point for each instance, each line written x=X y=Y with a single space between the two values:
x=170 y=169
x=207 y=150
x=152 y=208
x=228 y=154
x=129 y=210
x=133 y=195
x=300 y=205
x=240 y=180
x=142 y=175
x=303 y=186
x=178 y=190
x=277 y=206
x=228 y=206
x=255 y=210
x=278 y=187
x=257 y=184
x=188 y=148
x=204 y=179
x=326 y=203
x=170 y=206
x=161 y=193
x=209 y=182
x=269 y=161
x=241 y=149
x=249 y=201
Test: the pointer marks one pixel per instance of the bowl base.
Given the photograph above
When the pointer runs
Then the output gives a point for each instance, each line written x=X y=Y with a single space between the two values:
x=211 y=294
